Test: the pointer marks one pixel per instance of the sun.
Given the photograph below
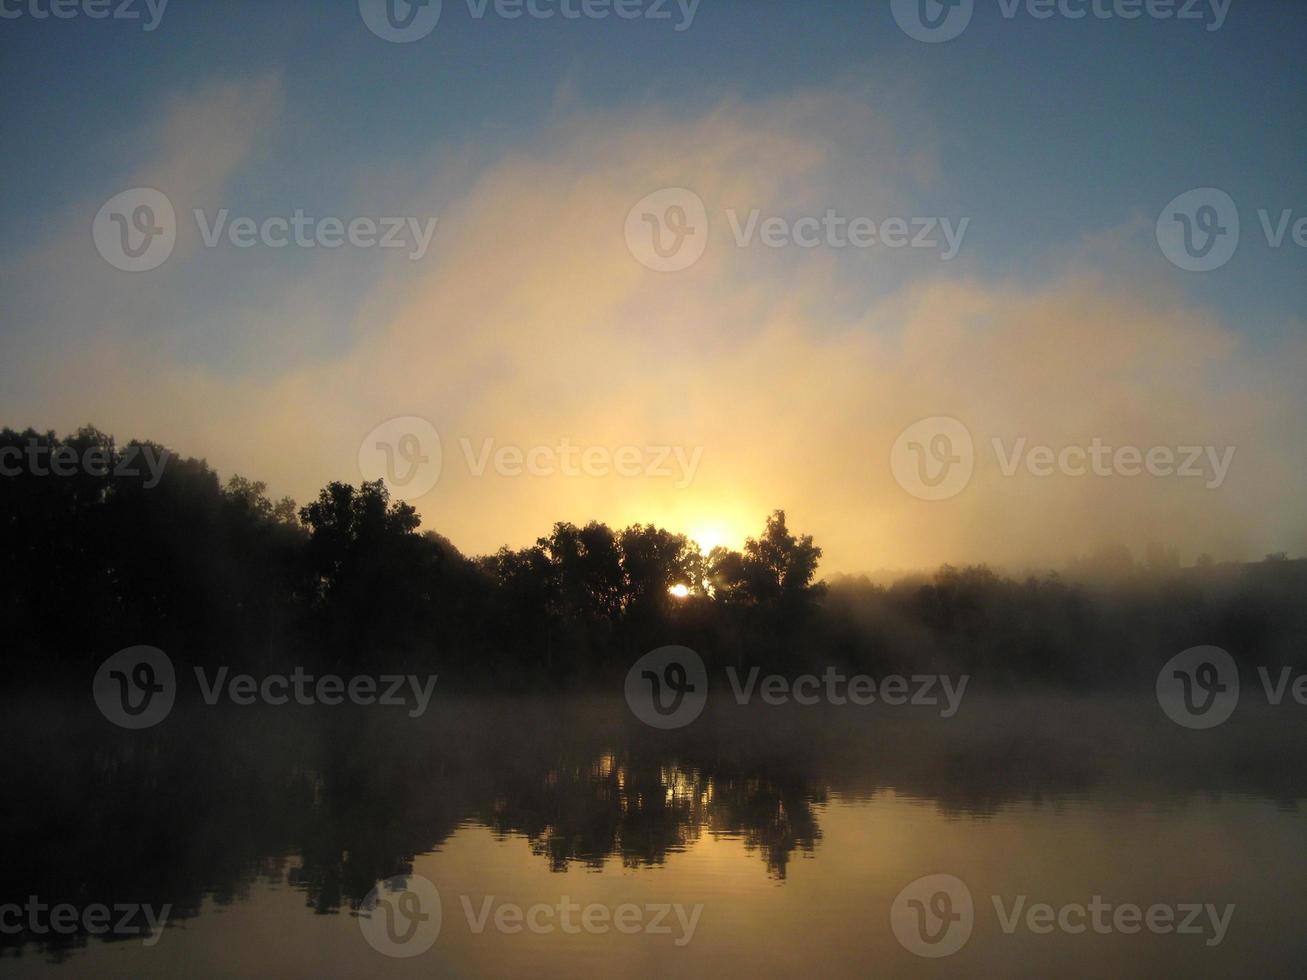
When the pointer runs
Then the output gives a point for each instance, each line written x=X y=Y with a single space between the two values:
x=680 y=590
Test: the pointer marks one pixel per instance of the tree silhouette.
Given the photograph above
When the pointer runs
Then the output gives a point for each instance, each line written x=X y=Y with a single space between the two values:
x=112 y=554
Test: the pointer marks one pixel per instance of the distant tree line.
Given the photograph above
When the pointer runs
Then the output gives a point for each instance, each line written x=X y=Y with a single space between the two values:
x=112 y=556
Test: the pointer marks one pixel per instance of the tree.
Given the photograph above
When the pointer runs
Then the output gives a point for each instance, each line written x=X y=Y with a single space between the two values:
x=777 y=568
x=369 y=571
x=654 y=560
x=587 y=566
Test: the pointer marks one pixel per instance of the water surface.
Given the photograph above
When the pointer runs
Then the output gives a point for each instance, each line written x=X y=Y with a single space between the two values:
x=791 y=830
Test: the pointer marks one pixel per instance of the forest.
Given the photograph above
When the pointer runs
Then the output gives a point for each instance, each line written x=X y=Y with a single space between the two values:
x=136 y=544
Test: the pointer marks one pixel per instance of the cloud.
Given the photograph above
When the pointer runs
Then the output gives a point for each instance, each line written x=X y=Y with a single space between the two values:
x=65 y=308
x=530 y=322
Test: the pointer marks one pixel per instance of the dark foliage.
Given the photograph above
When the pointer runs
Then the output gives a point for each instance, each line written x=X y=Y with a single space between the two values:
x=114 y=555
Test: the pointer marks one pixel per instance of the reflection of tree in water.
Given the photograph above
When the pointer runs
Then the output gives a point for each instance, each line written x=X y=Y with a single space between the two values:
x=333 y=803
x=587 y=811
x=640 y=812
x=216 y=805
x=108 y=818
x=775 y=817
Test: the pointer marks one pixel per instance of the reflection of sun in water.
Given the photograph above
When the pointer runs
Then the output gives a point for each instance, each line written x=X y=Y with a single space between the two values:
x=680 y=590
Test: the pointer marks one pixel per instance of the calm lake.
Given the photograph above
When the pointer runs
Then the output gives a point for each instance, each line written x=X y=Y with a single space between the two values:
x=563 y=838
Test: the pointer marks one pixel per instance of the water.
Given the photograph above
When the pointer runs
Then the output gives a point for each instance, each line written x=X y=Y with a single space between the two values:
x=790 y=830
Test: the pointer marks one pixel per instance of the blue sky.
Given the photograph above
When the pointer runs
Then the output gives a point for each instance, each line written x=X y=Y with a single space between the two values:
x=1050 y=129
x=1060 y=140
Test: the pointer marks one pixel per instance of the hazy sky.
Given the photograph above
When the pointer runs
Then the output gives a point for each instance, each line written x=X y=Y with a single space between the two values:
x=776 y=376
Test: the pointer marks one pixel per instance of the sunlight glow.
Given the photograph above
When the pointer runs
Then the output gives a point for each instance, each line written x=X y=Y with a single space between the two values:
x=680 y=590
x=710 y=535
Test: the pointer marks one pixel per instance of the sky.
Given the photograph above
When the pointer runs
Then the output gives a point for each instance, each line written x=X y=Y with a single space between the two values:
x=783 y=366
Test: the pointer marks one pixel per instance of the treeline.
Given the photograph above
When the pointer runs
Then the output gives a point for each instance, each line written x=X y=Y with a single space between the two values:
x=120 y=551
